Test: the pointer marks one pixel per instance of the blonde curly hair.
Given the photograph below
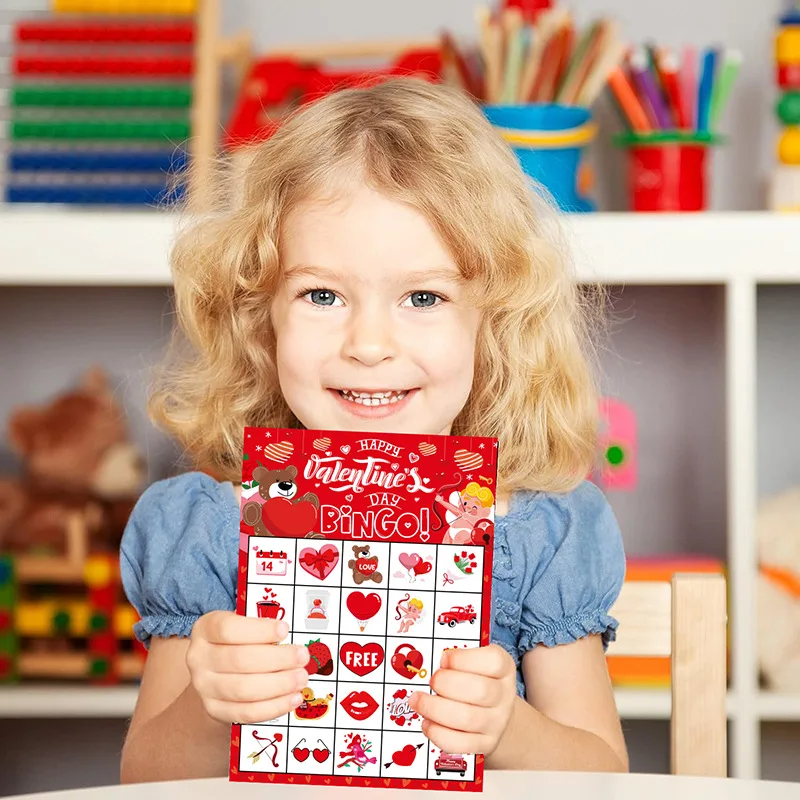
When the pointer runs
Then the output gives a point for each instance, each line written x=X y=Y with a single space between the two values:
x=430 y=147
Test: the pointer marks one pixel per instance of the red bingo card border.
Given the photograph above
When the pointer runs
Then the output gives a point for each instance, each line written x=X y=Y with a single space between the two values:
x=435 y=461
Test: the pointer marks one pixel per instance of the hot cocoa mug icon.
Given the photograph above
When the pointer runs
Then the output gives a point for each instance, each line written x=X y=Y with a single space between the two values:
x=271 y=609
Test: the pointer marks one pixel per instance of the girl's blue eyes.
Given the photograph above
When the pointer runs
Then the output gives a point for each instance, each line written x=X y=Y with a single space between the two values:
x=325 y=297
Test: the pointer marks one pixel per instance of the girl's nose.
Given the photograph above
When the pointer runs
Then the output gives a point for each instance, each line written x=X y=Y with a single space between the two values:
x=370 y=337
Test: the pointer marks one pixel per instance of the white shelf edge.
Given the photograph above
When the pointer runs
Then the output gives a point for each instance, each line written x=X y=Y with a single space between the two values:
x=52 y=247
x=59 y=702
x=52 y=702
x=778 y=707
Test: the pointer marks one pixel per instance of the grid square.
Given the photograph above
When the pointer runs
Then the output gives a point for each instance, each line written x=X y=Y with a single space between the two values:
x=358 y=752
x=323 y=649
x=410 y=613
x=270 y=560
x=319 y=563
x=262 y=748
x=440 y=645
x=404 y=657
x=360 y=704
x=316 y=610
x=460 y=568
x=366 y=565
x=269 y=601
x=397 y=714
x=362 y=659
x=318 y=707
x=450 y=766
x=404 y=754
x=311 y=752
x=363 y=612
x=412 y=566
x=458 y=616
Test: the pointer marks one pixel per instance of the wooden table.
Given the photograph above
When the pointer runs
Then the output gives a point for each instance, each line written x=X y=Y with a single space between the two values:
x=499 y=786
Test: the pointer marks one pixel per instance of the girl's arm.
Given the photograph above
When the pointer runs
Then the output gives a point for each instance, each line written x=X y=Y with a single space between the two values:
x=171 y=736
x=570 y=721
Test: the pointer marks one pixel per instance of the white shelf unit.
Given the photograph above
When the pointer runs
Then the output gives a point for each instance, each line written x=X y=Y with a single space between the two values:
x=735 y=253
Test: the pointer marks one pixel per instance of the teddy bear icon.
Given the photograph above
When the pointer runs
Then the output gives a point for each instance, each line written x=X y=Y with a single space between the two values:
x=364 y=565
x=279 y=511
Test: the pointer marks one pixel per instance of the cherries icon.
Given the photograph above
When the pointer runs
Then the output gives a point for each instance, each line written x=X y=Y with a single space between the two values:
x=320 y=754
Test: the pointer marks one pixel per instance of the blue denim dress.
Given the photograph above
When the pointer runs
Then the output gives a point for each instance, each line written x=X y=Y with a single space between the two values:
x=558 y=564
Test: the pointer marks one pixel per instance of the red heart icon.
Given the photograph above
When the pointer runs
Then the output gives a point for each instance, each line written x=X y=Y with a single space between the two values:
x=284 y=518
x=321 y=754
x=363 y=607
x=405 y=657
x=319 y=563
x=361 y=658
x=300 y=753
x=422 y=567
x=406 y=756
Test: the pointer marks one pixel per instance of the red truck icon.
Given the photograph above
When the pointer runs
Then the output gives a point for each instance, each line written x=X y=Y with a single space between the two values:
x=457 y=614
x=450 y=762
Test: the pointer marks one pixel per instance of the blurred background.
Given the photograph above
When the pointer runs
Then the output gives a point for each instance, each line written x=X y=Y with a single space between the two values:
x=668 y=134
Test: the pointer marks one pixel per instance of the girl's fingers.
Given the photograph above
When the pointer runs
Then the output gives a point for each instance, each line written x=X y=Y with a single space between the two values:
x=451 y=713
x=250 y=713
x=491 y=661
x=451 y=741
x=254 y=688
x=226 y=627
x=256 y=658
x=481 y=691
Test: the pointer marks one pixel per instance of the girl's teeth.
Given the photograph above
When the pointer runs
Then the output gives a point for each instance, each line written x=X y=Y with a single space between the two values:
x=375 y=399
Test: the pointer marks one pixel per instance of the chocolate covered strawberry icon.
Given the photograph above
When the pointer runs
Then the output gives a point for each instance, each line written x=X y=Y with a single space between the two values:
x=321 y=661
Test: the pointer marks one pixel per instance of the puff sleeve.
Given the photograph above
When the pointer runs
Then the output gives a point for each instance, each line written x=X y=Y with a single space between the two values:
x=559 y=568
x=179 y=554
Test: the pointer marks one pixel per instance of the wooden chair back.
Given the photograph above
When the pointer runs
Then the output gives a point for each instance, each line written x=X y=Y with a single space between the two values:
x=686 y=620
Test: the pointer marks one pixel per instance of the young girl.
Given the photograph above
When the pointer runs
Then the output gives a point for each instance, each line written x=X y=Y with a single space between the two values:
x=384 y=266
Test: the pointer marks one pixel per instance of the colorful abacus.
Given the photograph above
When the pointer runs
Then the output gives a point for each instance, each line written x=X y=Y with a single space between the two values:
x=83 y=630
x=102 y=104
x=785 y=189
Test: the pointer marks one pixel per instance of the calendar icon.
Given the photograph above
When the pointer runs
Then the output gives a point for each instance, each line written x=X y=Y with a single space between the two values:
x=271 y=562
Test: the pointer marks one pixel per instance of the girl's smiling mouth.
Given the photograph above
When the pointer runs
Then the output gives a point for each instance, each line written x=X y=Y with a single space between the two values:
x=371 y=403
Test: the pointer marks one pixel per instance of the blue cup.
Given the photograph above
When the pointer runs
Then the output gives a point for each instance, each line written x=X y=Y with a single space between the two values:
x=550 y=141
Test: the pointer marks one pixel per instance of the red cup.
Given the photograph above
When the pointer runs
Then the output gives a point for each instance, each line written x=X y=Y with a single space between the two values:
x=667 y=177
x=270 y=609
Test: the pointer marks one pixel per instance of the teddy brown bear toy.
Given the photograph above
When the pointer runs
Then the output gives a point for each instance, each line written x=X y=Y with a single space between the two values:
x=75 y=455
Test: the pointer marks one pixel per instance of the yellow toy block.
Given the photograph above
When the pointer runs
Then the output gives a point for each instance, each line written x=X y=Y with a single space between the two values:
x=165 y=7
x=41 y=618
x=787 y=45
x=789 y=145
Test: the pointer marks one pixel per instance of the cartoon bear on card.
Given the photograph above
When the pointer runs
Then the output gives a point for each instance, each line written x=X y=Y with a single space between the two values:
x=280 y=512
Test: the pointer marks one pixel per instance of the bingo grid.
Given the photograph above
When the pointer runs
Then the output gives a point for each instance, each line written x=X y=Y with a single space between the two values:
x=376 y=617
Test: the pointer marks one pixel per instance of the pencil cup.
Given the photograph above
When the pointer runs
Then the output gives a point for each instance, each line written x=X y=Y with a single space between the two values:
x=667 y=171
x=550 y=141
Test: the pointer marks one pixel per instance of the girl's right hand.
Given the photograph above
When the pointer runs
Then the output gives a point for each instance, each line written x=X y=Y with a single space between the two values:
x=240 y=672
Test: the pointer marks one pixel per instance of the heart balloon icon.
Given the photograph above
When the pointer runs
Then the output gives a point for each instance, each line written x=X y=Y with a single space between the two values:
x=423 y=567
x=409 y=560
x=363 y=606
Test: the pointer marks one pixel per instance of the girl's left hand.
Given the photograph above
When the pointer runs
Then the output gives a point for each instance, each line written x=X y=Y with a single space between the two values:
x=475 y=692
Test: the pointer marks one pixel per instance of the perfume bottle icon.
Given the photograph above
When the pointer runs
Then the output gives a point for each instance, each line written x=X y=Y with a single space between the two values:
x=317 y=614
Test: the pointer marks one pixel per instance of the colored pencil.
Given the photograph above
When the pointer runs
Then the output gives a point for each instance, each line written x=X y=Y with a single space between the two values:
x=705 y=87
x=646 y=83
x=544 y=58
x=672 y=90
x=628 y=100
x=608 y=60
x=723 y=85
